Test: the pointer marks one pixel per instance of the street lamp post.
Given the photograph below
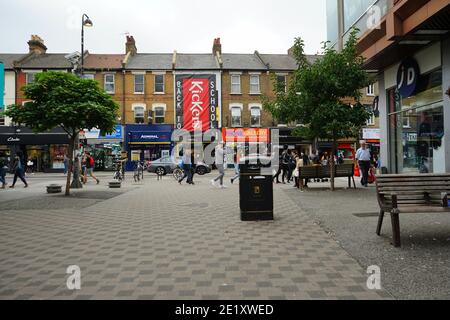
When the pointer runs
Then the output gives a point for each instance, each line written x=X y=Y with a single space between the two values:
x=76 y=183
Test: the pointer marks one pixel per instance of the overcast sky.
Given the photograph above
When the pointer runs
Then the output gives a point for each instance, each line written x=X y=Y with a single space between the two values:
x=268 y=26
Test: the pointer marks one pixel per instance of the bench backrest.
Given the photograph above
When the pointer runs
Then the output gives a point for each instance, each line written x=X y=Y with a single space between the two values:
x=414 y=189
x=343 y=170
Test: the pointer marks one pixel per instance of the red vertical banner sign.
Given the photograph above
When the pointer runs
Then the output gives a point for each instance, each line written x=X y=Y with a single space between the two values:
x=196 y=104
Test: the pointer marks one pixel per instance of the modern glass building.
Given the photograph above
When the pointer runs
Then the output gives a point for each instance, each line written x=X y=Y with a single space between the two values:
x=406 y=43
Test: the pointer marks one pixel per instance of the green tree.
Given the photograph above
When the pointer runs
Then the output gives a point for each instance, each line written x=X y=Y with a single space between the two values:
x=64 y=100
x=325 y=95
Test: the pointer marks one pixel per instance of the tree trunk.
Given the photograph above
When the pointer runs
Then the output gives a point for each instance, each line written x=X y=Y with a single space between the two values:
x=70 y=165
x=333 y=165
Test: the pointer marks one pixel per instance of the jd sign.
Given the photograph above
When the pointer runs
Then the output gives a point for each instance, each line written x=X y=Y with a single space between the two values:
x=408 y=77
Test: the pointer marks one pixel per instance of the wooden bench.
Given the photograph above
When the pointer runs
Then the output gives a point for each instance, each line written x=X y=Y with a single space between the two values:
x=422 y=193
x=322 y=172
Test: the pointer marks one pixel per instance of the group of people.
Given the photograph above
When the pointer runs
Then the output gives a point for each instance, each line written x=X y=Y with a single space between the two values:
x=18 y=167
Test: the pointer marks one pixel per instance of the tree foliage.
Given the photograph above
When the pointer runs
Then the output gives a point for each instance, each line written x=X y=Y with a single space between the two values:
x=59 y=99
x=324 y=95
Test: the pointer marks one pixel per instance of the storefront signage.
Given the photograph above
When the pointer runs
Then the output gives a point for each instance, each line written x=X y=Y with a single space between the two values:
x=96 y=134
x=407 y=77
x=2 y=85
x=149 y=137
x=13 y=139
x=245 y=135
x=196 y=101
x=371 y=134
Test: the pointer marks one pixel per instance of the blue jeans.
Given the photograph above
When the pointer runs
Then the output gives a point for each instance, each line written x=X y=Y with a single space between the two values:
x=187 y=173
x=3 y=176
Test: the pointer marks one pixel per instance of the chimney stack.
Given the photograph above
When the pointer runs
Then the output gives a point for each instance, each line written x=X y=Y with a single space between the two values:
x=36 y=45
x=217 y=47
x=130 y=45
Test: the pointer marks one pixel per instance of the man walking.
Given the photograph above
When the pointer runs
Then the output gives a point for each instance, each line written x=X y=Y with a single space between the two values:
x=219 y=159
x=186 y=166
x=19 y=172
x=363 y=157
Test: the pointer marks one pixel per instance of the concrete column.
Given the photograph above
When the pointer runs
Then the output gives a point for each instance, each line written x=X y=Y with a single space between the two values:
x=445 y=85
x=340 y=24
x=384 y=125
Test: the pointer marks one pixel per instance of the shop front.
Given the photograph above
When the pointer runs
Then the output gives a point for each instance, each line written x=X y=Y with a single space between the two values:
x=415 y=114
x=106 y=148
x=246 y=140
x=372 y=136
x=286 y=137
x=345 y=148
x=147 y=143
x=46 y=150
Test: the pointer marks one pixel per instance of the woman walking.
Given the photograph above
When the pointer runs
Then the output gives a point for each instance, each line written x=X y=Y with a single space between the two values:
x=19 y=172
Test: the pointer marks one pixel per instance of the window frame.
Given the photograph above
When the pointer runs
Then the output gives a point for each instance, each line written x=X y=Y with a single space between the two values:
x=139 y=107
x=156 y=107
x=285 y=80
x=236 y=76
x=163 y=83
x=135 y=83
x=370 y=90
x=255 y=107
x=236 y=107
x=255 y=76
x=113 y=82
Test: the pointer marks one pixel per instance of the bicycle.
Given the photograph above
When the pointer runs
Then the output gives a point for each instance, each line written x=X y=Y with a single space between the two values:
x=138 y=173
x=178 y=173
x=120 y=171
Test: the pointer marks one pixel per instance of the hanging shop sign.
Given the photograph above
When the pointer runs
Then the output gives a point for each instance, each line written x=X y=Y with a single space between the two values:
x=371 y=134
x=197 y=102
x=408 y=77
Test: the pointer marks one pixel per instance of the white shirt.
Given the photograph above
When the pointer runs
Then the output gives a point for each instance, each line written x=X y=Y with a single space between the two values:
x=363 y=154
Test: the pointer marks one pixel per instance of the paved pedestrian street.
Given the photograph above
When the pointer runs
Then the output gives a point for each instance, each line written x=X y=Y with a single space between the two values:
x=160 y=240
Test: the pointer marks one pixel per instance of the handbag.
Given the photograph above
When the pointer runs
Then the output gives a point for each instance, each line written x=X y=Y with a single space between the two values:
x=296 y=173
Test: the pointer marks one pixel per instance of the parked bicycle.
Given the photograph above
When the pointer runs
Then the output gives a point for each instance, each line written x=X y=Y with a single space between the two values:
x=120 y=171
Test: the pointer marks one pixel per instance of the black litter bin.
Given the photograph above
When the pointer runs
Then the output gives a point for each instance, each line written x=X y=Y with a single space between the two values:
x=255 y=189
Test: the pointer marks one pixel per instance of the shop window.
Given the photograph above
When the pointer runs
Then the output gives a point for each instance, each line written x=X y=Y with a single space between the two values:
x=416 y=128
x=159 y=113
x=139 y=114
x=235 y=116
x=235 y=84
x=139 y=83
x=254 y=84
x=255 y=116
x=109 y=83
x=159 y=83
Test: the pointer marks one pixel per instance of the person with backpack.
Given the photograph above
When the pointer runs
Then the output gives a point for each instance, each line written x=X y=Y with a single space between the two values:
x=19 y=172
x=285 y=165
x=90 y=164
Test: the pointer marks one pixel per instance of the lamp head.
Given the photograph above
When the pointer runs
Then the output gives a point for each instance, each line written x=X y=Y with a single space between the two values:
x=87 y=22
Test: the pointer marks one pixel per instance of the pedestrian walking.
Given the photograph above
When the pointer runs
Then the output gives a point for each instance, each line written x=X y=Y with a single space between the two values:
x=186 y=166
x=3 y=170
x=363 y=157
x=280 y=167
x=30 y=165
x=90 y=164
x=66 y=164
x=236 y=159
x=285 y=163
x=219 y=160
x=19 y=172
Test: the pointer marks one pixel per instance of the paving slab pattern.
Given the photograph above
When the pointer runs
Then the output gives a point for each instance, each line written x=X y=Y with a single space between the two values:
x=166 y=241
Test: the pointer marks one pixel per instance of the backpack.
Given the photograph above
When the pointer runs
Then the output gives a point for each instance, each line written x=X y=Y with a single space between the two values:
x=91 y=162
